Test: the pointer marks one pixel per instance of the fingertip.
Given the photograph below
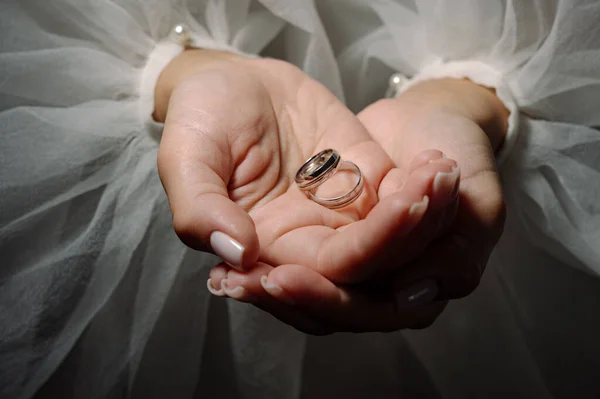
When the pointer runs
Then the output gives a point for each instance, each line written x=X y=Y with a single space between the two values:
x=239 y=292
x=275 y=290
x=250 y=279
x=211 y=286
x=232 y=252
x=418 y=209
x=300 y=285
x=425 y=157
x=218 y=272
x=216 y=275
x=227 y=248
x=446 y=184
x=214 y=223
x=440 y=180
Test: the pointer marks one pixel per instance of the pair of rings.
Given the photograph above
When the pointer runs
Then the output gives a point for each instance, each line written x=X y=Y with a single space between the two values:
x=321 y=167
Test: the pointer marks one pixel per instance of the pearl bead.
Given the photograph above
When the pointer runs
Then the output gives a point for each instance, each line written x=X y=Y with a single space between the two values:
x=396 y=79
x=181 y=35
x=395 y=84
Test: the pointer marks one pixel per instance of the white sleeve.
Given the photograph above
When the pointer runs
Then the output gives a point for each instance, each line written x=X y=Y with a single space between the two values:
x=232 y=27
x=86 y=238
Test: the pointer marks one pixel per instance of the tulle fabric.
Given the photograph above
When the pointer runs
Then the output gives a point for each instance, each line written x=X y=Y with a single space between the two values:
x=98 y=298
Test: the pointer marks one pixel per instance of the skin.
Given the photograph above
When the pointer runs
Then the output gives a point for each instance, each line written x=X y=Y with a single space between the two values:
x=236 y=131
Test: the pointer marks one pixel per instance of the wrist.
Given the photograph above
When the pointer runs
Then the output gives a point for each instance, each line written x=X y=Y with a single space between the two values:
x=463 y=98
x=185 y=64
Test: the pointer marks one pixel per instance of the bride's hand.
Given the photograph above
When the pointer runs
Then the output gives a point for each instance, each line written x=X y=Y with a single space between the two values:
x=236 y=131
x=468 y=123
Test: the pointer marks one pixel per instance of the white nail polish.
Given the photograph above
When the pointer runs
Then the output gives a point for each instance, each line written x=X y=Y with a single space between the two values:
x=235 y=293
x=419 y=294
x=272 y=289
x=435 y=160
x=228 y=249
x=212 y=289
x=275 y=291
x=419 y=207
x=443 y=179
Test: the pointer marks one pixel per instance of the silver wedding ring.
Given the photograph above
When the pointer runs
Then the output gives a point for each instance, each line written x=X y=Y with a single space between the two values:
x=320 y=168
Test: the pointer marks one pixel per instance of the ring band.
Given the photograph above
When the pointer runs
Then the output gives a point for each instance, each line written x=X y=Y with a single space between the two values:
x=321 y=167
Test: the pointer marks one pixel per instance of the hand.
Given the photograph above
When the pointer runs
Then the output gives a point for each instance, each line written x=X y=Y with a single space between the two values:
x=468 y=123
x=236 y=130
x=320 y=300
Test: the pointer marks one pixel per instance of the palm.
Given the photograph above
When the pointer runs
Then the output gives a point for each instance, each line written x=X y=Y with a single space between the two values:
x=290 y=118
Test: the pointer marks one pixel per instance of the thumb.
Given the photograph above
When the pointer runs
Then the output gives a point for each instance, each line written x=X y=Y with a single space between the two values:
x=195 y=165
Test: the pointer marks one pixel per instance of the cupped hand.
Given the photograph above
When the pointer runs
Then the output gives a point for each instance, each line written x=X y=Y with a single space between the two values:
x=236 y=130
x=322 y=298
x=468 y=123
x=446 y=261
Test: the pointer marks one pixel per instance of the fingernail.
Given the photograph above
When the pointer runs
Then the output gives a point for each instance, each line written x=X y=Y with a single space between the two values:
x=456 y=185
x=238 y=292
x=227 y=248
x=443 y=156
x=419 y=207
x=419 y=294
x=275 y=290
x=213 y=290
x=443 y=180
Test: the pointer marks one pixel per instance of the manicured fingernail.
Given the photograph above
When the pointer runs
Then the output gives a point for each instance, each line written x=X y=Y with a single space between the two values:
x=419 y=294
x=443 y=180
x=275 y=290
x=419 y=207
x=456 y=187
x=437 y=158
x=228 y=249
x=213 y=290
x=238 y=292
